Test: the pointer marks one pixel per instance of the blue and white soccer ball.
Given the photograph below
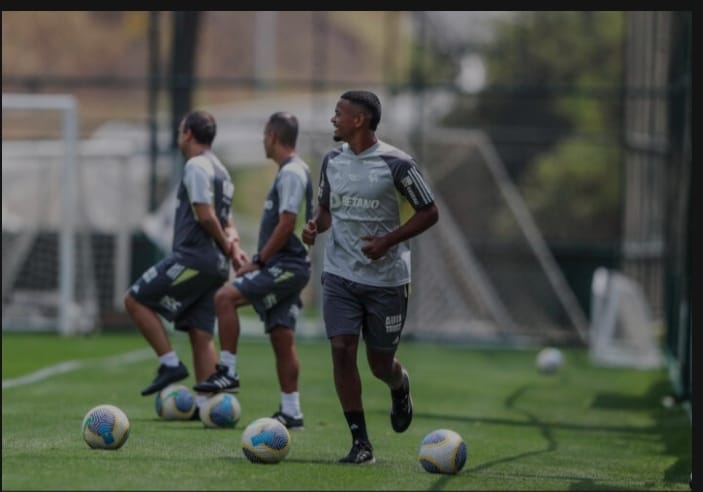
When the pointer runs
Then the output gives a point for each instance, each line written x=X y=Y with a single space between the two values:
x=105 y=427
x=443 y=451
x=549 y=360
x=266 y=440
x=222 y=410
x=175 y=402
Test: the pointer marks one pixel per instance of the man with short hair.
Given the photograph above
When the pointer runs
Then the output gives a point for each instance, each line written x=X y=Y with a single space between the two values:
x=278 y=272
x=182 y=286
x=373 y=199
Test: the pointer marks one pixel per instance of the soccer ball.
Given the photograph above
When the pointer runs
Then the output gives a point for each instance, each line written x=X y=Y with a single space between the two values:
x=105 y=427
x=549 y=360
x=443 y=451
x=175 y=402
x=221 y=410
x=265 y=440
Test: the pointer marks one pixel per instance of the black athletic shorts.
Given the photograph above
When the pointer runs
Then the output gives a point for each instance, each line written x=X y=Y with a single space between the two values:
x=378 y=313
x=180 y=294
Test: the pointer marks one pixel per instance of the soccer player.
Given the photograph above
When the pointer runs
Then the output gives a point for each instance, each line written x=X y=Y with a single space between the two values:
x=273 y=280
x=182 y=286
x=373 y=198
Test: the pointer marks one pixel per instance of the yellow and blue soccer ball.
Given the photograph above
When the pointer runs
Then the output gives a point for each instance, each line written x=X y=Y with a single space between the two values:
x=105 y=427
x=443 y=451
x=175 y=402
x=221 y=410
x=265 y=440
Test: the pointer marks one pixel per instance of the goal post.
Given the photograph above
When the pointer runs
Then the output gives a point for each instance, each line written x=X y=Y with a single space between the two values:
x=67 y=105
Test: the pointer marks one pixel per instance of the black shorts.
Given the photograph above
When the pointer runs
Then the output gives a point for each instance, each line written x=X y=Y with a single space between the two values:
x=274 y=292
x=378 y=313
x=180 y=294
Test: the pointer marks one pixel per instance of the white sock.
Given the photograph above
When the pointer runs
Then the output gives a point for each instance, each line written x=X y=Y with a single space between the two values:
x=199 y=399
x=170 y=359
x=229 y=359
x=290 y=404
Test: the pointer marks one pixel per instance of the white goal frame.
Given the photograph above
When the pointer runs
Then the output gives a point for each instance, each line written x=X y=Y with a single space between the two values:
x=67 y=105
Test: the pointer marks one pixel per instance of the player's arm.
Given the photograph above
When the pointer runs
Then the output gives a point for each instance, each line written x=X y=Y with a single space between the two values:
x=322 y=219
x=205 y=214
x=239 y=256
x=320 y=222
x=279 y=237
x=377 y=246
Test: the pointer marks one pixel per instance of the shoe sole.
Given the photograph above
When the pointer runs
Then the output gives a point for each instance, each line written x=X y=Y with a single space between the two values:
x=157 y=389
x=218 y=390
x=368 y=462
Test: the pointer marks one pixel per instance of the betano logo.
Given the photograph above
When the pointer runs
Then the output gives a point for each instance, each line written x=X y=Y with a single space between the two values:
x=348 y=201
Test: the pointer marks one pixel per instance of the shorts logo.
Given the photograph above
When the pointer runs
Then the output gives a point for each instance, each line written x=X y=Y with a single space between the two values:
x=283 y=277
x=170 y=303
x=394 y=323
x=269 y=301
x=294 y=311
x=149 y=275
x=174 y=271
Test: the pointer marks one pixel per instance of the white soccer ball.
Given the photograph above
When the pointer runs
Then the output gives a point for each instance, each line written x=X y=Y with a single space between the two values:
x=221 y=410
x=549 y=360
x=105 y=427
x=265 y=440
x=443 y=451
x=175 y=402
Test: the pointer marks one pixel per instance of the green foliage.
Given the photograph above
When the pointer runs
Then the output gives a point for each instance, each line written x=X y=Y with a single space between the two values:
x=562 y=71
x=574 y=190
x=584 y=428
x=558 y=48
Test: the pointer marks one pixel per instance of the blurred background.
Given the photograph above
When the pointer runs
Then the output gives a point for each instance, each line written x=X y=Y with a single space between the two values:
x=558 y=145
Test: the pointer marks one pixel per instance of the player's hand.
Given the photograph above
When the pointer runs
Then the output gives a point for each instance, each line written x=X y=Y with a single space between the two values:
x=239 y=256
x=375 y=247
x=309 y=233
x=246 y=268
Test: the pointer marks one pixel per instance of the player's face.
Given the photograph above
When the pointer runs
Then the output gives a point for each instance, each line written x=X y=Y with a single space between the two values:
x=268 y=142
x=182 y=141
x=345 y=120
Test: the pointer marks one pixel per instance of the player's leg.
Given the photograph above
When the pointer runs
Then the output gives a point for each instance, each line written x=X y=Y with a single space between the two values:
x=199 y=322
x=225 y=378
x=204 y=353
x=144 y=301
x=343 y=315
x=227 y=300
x=287 y=363
x=386 y=309
x=204 y=361
x=283 y=281
x=288 y=370
x=149 y=325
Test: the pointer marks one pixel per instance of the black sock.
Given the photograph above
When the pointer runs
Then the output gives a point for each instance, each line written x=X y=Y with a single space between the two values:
x=357 y=425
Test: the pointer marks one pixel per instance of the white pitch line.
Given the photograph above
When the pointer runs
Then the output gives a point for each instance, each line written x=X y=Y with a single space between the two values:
x=72 y=365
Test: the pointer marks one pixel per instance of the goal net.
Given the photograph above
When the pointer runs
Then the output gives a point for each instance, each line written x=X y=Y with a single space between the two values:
x=484 y=273
x=623 y=331
x=67 y=214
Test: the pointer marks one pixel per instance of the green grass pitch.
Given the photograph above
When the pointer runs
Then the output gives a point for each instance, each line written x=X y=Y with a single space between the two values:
x=584 y=428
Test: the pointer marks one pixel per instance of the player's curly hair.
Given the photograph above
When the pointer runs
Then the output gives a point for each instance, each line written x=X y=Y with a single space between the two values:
x=369 y=101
